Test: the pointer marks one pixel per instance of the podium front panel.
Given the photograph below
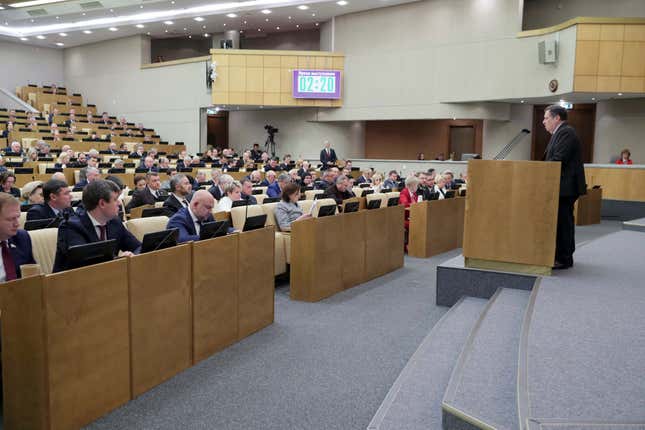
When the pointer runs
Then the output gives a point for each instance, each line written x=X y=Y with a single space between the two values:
x=395 y=236
x=24 y=380
x=256 y=290
x=215 y=289
x=377 y=254
x=511 y=212
x=161 y=316
x=436 y=227
x=88 y=348
x=352 y=248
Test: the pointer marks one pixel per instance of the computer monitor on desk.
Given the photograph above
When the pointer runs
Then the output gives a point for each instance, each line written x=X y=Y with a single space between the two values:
x=159 y=240
x=91 y=253
x=213 y=229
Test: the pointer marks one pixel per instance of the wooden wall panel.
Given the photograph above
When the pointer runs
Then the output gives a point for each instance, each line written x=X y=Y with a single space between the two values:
x=618 y=183
x=403 y=140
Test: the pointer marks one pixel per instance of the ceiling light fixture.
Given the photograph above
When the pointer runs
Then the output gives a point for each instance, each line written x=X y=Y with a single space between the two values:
x=265 y=11
x=198 y=19
x=168 y=22
x=140 y=26
x=231 y=15
x=303 y=7
x=342 y=3
x=206 y=35
x=60 y=44
x=87 y=31
x=24 y=39
x=113 y=29
x=41 y=37
x=62 y=34
x=34 y=3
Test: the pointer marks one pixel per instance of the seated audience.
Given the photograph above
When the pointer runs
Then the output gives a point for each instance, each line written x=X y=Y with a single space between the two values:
x=625 y=157
x=98 y=222
x=63 y=161
x=7 y=180
x=269 y=178
x=139 y=183
x=180 y=193
x=440 y=186
x=15 y=242
x=409 y=194
x=233 y=193
x=392 y=180
x=32 y=193
x=326 y=181
x=304 y=169
x=149 y=194
x=32 y=154
x=148 y=163
x=365 y=178
x=57 y=202
x=86 y=176
x=288 y=211
x=339 y=191
x=165 y=185
x=138 y=153
x=275 y=189
x=247 y=192
x=190 y=219
x=272 y=165
x=286 y=163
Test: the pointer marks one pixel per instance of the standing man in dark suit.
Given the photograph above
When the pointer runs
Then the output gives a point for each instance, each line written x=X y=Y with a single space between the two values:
x=58 y=202
x=327 y=156
x=180 y=193
x=14 y=242
x=149 y=195
x=565 y=147
x=190 y=219
x=99 y=222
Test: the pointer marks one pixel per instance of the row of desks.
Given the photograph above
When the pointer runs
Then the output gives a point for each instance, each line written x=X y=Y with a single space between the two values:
x=77 y=344
x=34 y=135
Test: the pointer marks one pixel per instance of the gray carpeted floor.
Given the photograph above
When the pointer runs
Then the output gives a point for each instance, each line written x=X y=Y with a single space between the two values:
x=321 y=365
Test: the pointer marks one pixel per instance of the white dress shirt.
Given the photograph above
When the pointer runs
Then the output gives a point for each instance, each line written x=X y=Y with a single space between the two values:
x=225 y=204
x=196 y=221
x=3 y=274
x=97 y=226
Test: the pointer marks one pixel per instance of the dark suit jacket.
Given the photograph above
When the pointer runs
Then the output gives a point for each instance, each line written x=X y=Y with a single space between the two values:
x=361 y=180
x=184 y=222
x=20 y=249
x=78 y=230
x=216 y=192
x=140 y=198
x=274 y=190
x=325 y=159
x=251 y=200
x=44 y=211
x=565 y=147
x=334 y=193
x=80 y=185
x=14 y=192
x=172 y=204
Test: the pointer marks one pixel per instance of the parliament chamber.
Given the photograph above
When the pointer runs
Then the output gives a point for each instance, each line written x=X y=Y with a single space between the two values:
x=416 y=214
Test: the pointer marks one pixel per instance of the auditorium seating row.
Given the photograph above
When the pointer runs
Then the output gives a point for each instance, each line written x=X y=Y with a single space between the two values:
x=80 y=343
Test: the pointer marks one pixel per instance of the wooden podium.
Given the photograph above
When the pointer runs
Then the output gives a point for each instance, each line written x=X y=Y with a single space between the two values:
x=587 y=208
x=436 y=226
x=511 y=215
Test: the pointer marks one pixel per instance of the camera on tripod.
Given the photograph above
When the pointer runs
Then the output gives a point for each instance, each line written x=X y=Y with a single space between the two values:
x=269 y=145
x=271 y=129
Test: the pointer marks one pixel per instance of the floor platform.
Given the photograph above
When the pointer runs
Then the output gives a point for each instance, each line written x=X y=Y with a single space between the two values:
x=635 y=224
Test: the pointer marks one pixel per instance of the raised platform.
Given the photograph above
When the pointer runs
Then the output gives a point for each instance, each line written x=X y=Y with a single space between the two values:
x=455 y=280
x=635 y=224
x=622 y=210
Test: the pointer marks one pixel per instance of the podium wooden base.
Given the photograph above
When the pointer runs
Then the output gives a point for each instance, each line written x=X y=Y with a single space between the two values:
x=500 y=266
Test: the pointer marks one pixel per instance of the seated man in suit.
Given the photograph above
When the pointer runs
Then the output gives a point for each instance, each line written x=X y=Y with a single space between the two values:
x=272 y=165
x=247 y=192
x=7 y=181
x=58 y=202
x=149 y=194
x=339 y=191
x=304 y=169
x=98 y=222
x=180 y=193
x=86 y=176
x=392 y=180
x=148 y=163
x=366 y=177
x=15 y=243
x=138 y=153
x=275 y=189
x=269 y=179
x=326 y=181
x=189 y=219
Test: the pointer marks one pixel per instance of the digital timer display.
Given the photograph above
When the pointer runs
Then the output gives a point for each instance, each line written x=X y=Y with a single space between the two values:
x=316 y=84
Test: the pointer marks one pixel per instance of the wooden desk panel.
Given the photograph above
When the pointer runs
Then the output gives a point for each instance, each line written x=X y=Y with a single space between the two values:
x=352 y=249
x=618 y=183
x=511 y=212
x=24 y=377
x=215 y=295
x=256 y=252
x=587 y=207
x=377 y=257
x=160 y=316
x=395 y=236
x=316 y=271
x=436 y=227
x=88 y=349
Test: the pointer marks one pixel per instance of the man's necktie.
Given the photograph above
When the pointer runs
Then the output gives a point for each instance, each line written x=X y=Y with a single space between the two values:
x=103 y=229
x=9 y=265
x=185 y=203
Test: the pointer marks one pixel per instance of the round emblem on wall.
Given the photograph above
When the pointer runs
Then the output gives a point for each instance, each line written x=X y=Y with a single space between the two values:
x=553 y=85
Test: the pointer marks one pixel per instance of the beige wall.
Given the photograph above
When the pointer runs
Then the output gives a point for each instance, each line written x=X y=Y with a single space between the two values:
x=620 y=124
x=24 y=64
x=167 y=99
x=545 y=13
x=299 y=135
x=497 y=134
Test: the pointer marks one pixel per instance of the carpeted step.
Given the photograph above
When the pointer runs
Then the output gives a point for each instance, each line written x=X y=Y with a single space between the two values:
x=414 y=401
x=482 y=392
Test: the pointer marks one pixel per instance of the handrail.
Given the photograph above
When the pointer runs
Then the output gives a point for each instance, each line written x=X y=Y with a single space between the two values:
x=20 y=104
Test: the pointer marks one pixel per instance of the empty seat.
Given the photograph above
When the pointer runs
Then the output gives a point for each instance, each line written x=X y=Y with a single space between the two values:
x=43 y=246
x=323 y=202
x=309 y=194
x=378 y=196
x=280 y=248
x=140 y=226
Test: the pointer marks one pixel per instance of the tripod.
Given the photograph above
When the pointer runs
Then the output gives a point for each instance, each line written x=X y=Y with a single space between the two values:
x=269 y=145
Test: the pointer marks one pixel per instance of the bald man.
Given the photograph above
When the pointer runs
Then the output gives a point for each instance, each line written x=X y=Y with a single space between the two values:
x=190 y=219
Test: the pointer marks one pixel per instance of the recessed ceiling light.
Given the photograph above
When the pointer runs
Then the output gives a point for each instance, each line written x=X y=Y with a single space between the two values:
x=165 y=31
x=313 y=14
x=241 y=31
x=33 y=3
x=113 y=29
x=303 y=7
x=190 y=37
x=41 y=37
x=60 y=44
x=140 y=26
x=317 y=24
x=32 y=20
x=259 y=29
x=87 y=31
x=148 y=33
x=244 y=22
x=289 y=17
x=206 y=35
x=168 y=22
x=267 y=19
x=224 y=24
x=83 y=14
x=342 y=3
x=231 y=15
x=111 y=10
x=58 y=17
x=297 y=25
x=593 y=98
x=620 y=94
x=266 y=11
x=521 y=101
x=172 y=2
x=198 y=19
x=62 y=34
x=24 y=39
x=277 y=28
x=185 y=29
x=141 y=7
x=203 y=26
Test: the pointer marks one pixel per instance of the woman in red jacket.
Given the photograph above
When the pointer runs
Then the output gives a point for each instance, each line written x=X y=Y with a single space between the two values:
x=624 y=157
x=407 y=197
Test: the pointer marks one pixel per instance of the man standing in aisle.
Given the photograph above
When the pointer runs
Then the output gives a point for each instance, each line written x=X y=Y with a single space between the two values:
x=565 y=147
x=327 y=156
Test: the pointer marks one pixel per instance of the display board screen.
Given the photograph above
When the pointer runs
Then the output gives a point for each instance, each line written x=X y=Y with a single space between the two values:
x=316 y=84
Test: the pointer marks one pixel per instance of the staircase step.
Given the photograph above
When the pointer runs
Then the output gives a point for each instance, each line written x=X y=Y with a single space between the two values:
x=414 y=401
x=482 y=392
